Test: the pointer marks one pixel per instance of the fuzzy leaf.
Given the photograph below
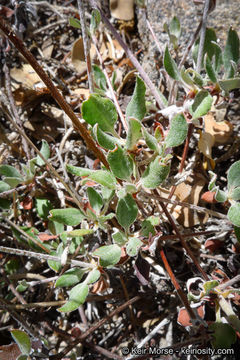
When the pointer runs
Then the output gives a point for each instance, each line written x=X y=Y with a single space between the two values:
x=233 y=176
x=202 y=104
x=155 y=174
x=126 y=211
x=77 y=297
x=229 y=84
x=56 y=265
x=220 y=195
x=208 y=48
x=70 y=216
x=231 y=53
x=136 y=107
x=120 y=163
x=234 y=214
x=105 y=140
x=45 y=151
x=95 y=20
x=134 y=133
x=23 y=341
x=119 y=238
x=78 y=232
x=92 y=277
x=170 y=66
x=108 y=255
x=175 y=27
x=43 y=206
x=104 y=178
x=99 y=78
x=75 y=23
x=99 y=110
x=4 y=186
x=210 y=70
x=224 y=335
x=133 y=246
x=178 y=131
x=70 y=277
x=10 y=171
x=95 y=199
x=235 y=194
x=79 y=171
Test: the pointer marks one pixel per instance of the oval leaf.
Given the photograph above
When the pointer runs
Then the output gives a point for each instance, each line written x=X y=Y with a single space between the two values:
x=133 y=246
x=79 y=171
x=77 y=297
x=136 y=107
x=134 y=133
x=95 y=199
x=98 y=110
x=108 y=255
x=155 y=174
x=126 y=211
x=233 y=176
x=10 y=171
x=93 y=276
x=202 y=104
x=70 y=277
x=178 y=131
x=231 y=52
x=45 y=151
x=104 y=178
x=170 y=66
x=105 y=140
x=22 y=340
x=120 y=163
x=234 y=214
x=70 y=216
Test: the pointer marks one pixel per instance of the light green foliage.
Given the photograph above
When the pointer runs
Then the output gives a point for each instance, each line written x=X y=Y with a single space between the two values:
x=70 y=216
x=77 y=297
x=133 y=246
x=22 y=340
x=178 y=131
x=120 y=163
x=170 y=66
x=108 y=255
x=202 y=104
x=136 y=107
x=126 y=211
x=155 y=173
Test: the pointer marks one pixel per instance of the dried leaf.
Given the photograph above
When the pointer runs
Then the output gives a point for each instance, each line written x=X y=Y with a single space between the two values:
x=26 y=76
x=122 y=9
x=221 y=131
x=77 y=55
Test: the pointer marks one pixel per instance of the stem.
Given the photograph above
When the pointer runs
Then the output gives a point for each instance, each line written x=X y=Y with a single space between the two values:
x=86 y=44
x=54 y=91
x=202 y=36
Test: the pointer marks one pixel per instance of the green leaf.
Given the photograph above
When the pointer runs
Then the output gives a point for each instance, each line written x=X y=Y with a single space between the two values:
x=224 y=335
x=237 y=233
x=22 y=286
x=210 y=70
x=170 y=66
x=92 y=277
x=105 y=140
x=229 y=84
x=99 y=110
x=45 y=151
x=235 y=194
x=13 y=182
x=95 y=20
x=104 y=178
x=234 y=214
x=136 y=107
x=99 y=78
x=78 y=232
x=134 y=133
x=119 y=238
x=231 y=53
x=77 y=297
x=70 y=277
x=23 y=341
x=208 y=48
x=95 y=199
x=43 y=206
x=10 y=172
x=120 y=163
x=155 y=173
x=74 y=23
x=5 y=204
x=175 y=27
x=202 y=104
x=109 y=255
x=56 y=265
x=178 y=131
x=70 y=216
x=233 y=176
x=79 y=171
x=151 y=141
x=4 y=186
x=148 y=225
x=186 y=78
x=127 y=211
x=208 y=286
x=220 y=195
x=133 y=246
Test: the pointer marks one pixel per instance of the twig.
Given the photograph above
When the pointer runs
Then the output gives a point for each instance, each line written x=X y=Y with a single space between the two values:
x=202 y=36
x=12 y=288
x=40 y=256
x=94 y=328
x=86 y=44
x=131 y=56
x=14 y=109
x=54 y=91
x=11 y=191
